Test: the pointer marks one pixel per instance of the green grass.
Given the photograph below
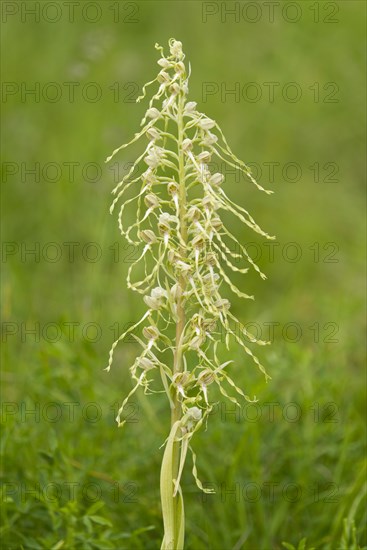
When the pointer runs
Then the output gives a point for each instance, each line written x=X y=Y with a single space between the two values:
x=95 y=486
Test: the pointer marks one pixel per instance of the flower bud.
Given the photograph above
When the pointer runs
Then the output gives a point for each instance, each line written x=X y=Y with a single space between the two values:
x=204 y=156
x=163 y=77
x=151 y=201
x=209 y=325
x=154 y=156
x=152 y=303
x=194 y=413
x=148 y=236
x=206 y=123
x=210 y=258
x=180 y=67
x=152 y=161
x=193 y=213
x=152 y=113
x=206 y=377
x=216 y=179
x=166 y=102
x=155 y=300
x=210 y=203
x=196 y=342
x=217 y=223
x=176 y=48
x=145 y=363
x=158 y=292
x=181 y=378
x=147 y=176
x=163 y=62
x=209 y=139
x=198 y=241
x=173 y=188
x=175 y=88
x=187 y=144
x=190 y=107
x=223 y=304
x=151 y=333
x=153 y=134
x=164 y=222
x=211 y=286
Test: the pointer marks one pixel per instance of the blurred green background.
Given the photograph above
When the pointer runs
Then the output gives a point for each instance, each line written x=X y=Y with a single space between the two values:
x=289 y=469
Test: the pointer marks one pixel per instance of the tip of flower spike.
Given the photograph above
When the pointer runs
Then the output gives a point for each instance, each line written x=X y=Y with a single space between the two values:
x=108 y=368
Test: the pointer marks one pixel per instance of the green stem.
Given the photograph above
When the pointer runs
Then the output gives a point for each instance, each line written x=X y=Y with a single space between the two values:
x=177 y=366
x=176 y=411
